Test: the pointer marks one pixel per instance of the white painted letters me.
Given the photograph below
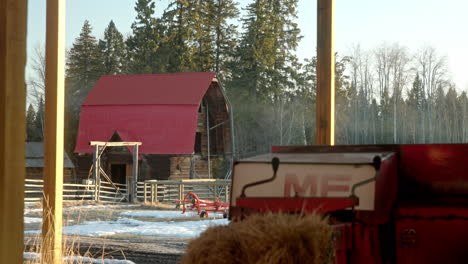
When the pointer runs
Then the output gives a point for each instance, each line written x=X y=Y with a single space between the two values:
x=317 y=185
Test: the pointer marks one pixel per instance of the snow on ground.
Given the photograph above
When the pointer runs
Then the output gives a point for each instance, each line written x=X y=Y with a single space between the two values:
x=87 y=207
x=100 y=206
x=30 y=220
x=135 y=227
x=37 y=256
x=142 y=228
x=165 y=214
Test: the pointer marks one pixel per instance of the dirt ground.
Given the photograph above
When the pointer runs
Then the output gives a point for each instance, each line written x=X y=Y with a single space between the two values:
x=137 y=248
x=156 y=250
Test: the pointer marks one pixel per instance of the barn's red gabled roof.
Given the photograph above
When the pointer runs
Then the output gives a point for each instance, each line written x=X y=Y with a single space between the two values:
x=143 y=89
x=160 y=110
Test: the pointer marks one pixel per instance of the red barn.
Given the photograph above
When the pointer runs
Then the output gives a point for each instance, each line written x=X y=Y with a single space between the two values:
x=182 y=119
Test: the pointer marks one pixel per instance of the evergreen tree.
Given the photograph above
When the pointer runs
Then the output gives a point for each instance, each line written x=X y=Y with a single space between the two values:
x=266 y=51
x=39 y=121
x=454 y=119
x=463 y=104
x=83 y=65
x=253 y=56
x=113 y=51
x=225 y=33
x=439 y=134
x=213 y=36
x=179 y=36
x=30 y=125
x=201 y=24
x=145 y=41
x=415 y=102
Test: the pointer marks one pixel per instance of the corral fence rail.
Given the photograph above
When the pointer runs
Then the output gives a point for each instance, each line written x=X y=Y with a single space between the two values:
x=149 y=191
x=168 y=191
x=75 y=192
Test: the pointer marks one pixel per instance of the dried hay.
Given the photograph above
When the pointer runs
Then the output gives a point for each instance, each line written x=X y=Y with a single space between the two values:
x=262 y=239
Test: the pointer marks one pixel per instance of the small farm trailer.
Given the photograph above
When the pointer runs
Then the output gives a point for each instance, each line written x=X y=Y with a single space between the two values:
x=387 y=204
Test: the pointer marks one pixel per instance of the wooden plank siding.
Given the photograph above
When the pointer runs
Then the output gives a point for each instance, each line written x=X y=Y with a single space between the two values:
x=325 y=112
x=13 y=24
x=54 y=132
x=38 y=174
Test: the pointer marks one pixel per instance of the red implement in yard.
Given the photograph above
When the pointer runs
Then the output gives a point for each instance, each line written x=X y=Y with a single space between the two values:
x=388 y=204
x=192 y=202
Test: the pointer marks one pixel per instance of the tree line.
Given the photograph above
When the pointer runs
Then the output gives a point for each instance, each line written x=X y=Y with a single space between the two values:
x=387 y=94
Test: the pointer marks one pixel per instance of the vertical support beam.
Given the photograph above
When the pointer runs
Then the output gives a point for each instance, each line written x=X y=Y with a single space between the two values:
x=134 y=175
x=152 y=192
x=13 y=14
x=226 y=193
x=208 y=142
x=96 y=172
x=181 y=196
x=145 y=193
x=325 y=113
x=156 y=193
x=54 y=132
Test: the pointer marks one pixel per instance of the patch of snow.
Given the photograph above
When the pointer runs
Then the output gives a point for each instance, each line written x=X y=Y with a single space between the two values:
x=27 y=211
x=91 y=206
x=165 y=214
x=100 y=206
x=31 y=255
x=30 y=220
x=97 y=261
x=136 y=227
x=37 y=256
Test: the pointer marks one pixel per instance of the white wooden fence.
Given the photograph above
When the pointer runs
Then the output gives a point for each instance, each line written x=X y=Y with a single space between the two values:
x=170 y=191
x=108 y=192
x=148 y=191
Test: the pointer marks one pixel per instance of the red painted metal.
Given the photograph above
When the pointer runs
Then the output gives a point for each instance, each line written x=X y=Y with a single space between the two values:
x=302 y=205
x=163 y=129
x=192 y=202
x=436 y=172
x=386 y=192
x=421 y=206
x=150 y=89
x=159 y=110
x=431 y=235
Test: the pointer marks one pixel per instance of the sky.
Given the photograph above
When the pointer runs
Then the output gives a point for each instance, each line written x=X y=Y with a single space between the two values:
x=441 y=24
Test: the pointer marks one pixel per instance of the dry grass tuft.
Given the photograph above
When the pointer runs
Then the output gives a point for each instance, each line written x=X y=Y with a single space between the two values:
x=72 y=251
x=262 y=239
x=158 y=205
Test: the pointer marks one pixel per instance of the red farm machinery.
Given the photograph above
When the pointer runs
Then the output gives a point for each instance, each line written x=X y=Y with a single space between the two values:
x=387 y=204
x=192 y=202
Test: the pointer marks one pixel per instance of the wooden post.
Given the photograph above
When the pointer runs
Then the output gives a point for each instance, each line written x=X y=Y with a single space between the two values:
x=13 y=25
x=226 y=193
x=208 y=139
x=54 y=132
x=180 y=191
x=152 y=192
x=145 y=194
x=134 y=180
x=156 y=193
x=325 y=113
x=96 y=173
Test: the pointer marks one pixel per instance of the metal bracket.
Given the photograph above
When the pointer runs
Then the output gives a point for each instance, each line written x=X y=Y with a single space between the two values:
x=275 y=164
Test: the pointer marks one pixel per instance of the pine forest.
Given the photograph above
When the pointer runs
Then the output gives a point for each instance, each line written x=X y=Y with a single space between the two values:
x=384 y=95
